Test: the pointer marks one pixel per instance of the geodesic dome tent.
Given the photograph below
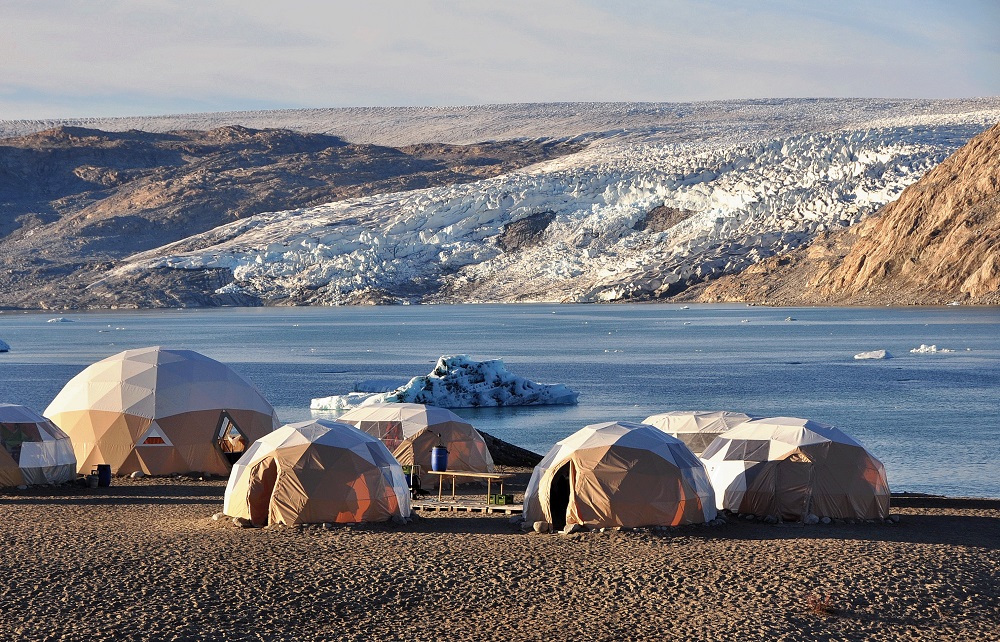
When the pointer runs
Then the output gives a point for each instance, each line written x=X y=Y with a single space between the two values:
x=619 y=474
x=790 y=468
x=160 y=411
x=696 y=428
x=32 y=449
x=411 y=430
x=317 y=471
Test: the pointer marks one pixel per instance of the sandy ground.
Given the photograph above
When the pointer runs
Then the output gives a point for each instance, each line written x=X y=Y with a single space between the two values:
x=143 y=560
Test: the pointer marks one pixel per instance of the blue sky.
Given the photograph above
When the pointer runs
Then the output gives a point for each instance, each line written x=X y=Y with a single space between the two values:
x=140 y=57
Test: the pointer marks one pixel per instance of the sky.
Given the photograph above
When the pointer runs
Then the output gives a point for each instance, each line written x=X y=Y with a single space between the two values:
x=92 y=58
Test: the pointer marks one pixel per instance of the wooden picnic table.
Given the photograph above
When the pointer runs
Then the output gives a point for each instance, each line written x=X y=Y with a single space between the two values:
x=455 y=474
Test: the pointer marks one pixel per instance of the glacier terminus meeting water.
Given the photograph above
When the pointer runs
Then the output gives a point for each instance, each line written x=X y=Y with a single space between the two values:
x=931 y=417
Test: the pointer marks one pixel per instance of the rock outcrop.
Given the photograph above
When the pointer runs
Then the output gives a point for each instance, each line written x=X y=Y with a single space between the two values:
x=938 y=243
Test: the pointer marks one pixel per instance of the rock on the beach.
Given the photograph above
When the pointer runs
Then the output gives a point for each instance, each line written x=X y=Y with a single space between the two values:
x=218 y=517
x=137 y=475
x=542 y=527
x=811 y=519
x=242 y=522
x=825 y=520
x=571 y=528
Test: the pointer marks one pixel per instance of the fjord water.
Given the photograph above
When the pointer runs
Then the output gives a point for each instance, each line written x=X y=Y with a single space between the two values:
x=931 y=418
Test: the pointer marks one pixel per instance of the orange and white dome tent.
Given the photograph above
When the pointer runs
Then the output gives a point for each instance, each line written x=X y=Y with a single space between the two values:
x=790 y=468
x=696 y=428
x=160 y=411
x=32 y=449
x=317 y=471
x=411 y=430
x=619 y=474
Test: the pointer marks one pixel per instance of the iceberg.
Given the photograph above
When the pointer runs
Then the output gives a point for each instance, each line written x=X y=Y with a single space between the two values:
x=874 y=354
x=458 y=381
x=929 y=349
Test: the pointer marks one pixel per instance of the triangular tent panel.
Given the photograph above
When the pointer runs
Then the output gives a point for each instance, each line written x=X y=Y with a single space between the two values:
x=317 y=471
x=790 y=468
x=33 y=450
x=619 y=474
x=411 y=430
x=118 y=410
x=697 y=428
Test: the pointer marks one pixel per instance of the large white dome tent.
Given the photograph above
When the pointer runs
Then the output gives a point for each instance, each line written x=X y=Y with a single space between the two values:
x=33 y=450
x=317 y=471
x=160 y=411
x=790 y=468
x=619 y=474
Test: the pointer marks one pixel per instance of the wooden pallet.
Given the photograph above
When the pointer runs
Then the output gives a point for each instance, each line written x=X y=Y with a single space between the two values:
x=468 y=507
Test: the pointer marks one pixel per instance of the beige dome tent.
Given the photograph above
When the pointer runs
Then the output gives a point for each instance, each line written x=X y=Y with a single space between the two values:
x=619 y=474
x=317 y=471
x=160 y=412
x=32 y=449
x=790 y=468
x=696 y=428
x=410 y=430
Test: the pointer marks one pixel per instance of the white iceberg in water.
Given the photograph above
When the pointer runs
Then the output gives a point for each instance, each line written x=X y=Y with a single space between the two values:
x=874 y=354
x=59 y=320
x=460 y=382
x=926 y=349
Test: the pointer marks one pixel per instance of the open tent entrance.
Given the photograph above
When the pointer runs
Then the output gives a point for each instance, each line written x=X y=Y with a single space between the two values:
x=11 y=438
x=793 y=482
x=559 y=497
x=230 y=439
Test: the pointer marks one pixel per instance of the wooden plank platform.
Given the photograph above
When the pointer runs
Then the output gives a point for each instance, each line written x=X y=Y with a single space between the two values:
x=467 y=506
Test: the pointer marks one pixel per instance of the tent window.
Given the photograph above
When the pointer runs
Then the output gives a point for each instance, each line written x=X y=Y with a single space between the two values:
x=229 y=438
x=748 y=450
x=153 y=440
x=154 y=437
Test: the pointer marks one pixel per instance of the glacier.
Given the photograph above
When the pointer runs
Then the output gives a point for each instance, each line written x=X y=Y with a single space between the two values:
x=748 y=180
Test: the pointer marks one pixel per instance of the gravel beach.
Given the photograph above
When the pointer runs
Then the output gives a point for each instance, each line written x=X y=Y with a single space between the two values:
x=144 y=560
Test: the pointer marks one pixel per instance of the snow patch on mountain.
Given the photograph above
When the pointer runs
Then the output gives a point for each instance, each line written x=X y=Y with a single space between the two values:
x=751 y=196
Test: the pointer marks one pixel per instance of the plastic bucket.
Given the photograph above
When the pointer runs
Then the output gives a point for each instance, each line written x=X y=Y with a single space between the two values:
x=439 y=459
x=103 y=474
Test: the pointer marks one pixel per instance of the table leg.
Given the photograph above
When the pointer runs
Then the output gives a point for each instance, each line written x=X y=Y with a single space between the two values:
x=454 y=482
x=488 y=487
x=440 y=486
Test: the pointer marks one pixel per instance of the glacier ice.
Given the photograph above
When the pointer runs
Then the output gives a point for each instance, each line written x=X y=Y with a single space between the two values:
x=458 y=381
x=873 y=354
x=759 y=178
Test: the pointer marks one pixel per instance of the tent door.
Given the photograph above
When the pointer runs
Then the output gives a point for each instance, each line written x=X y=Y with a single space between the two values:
x=793 y=488
x=230 y=439
x=263 y=478
x=559 y=497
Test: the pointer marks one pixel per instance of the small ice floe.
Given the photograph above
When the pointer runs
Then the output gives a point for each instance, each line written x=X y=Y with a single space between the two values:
x=953 y=303
x=874 y=354
x=685 y=307
x=790 y=319
x=59 y=320
x=929 y=349
x=460 y=382
x=4 y=347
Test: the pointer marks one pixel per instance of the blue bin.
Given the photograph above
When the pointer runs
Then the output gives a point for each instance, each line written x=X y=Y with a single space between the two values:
x=103 y=474
x=439 y=459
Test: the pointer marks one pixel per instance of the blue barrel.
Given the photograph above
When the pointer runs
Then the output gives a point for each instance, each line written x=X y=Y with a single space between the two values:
x=439 y=459
x=103 y=474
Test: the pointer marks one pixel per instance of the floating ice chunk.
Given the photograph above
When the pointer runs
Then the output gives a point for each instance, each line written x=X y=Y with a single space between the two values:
x=4 y=347
x=929 y=349
x=460 y=382
x=59 y=320
x=874 y=354
x=343 y=403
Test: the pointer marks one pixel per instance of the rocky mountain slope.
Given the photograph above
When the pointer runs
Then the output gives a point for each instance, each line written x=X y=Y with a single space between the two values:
x=75 y=201
x=938 y=243
x=614 y=203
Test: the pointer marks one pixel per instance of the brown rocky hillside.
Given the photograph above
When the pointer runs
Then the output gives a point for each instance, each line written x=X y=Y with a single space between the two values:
x=938 y=243
x=74 y=201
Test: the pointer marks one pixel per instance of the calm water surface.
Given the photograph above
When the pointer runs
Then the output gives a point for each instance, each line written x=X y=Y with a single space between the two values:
x=931 y=418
